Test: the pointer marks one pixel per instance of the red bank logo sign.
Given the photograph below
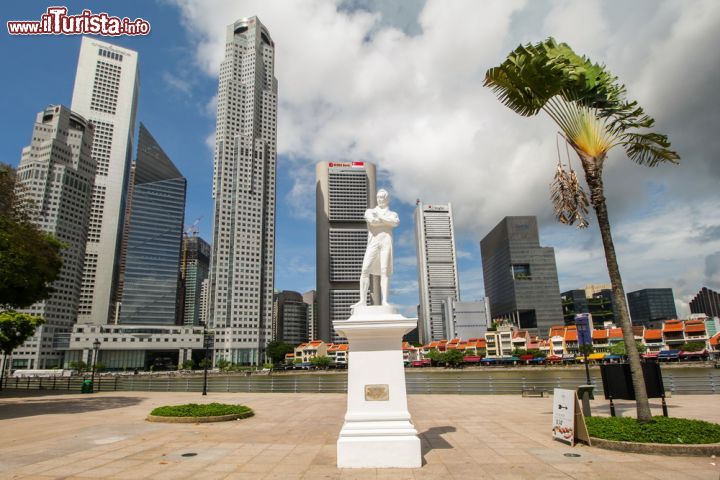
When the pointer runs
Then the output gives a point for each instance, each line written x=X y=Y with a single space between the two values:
x=346 y=164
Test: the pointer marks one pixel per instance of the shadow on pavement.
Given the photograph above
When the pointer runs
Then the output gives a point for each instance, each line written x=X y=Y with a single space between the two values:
x=431 y=439
x=37 y=405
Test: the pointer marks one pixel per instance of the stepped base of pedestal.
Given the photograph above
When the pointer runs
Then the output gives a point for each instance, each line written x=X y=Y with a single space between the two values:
x=380 y=451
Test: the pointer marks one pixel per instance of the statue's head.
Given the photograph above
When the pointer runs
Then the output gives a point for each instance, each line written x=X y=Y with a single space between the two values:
x=383 y=198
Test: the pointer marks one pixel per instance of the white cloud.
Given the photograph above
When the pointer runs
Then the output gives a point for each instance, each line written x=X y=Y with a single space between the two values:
x=353 y=86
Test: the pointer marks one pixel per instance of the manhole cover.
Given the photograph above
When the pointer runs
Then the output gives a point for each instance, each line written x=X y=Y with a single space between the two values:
x=571 y=454
x=193 y=454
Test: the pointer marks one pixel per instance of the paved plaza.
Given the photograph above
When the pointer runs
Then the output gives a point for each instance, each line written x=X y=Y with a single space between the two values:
x=292 y=436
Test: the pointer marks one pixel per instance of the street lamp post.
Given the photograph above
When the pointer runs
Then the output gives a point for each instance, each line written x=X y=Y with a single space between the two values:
x=96 y=349
x=206 y=345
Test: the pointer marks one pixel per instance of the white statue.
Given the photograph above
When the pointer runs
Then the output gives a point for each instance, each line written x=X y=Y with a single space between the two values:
x=378 y=258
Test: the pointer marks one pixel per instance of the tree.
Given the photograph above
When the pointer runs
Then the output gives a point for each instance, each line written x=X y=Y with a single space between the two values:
x=205 y=362
x=15 y=328
x=188 y=364
x=320 y=361
x=619 y=348
x=589 y=106
x=453 y=357
x=223 y=364
x=434 y=355
x=277 y=351
x=692 y=346
x=78 y=365
x=29 y=258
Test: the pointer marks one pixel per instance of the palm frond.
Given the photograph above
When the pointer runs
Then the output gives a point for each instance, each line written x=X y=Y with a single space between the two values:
x=648 y=148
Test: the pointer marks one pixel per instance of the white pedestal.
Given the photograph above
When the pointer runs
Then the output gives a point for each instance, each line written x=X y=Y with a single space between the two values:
x=377 y=432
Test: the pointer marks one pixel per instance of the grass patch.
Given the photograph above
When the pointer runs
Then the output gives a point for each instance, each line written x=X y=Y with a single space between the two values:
x=661 y=430
x=201 y=410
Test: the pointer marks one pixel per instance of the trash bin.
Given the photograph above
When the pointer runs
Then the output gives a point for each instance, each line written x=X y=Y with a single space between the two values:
x=87 y=386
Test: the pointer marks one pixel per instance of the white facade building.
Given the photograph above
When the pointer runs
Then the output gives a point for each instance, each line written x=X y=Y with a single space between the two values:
x=56 y=176
x=466 y=319
x=437 y=267
x=344 y=190
x=243 y=257
x=105 y=92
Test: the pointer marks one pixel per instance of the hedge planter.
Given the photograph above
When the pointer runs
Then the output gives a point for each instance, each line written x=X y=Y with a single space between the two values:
x=662 y=436
x=674 y=450
x=199 y=413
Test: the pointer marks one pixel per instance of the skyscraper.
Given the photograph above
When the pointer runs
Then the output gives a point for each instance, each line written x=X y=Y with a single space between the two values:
x=466 y=320
x=155 y=226
x=706 y=301
x=290 y=318
x=437 y=267
x=194 y=269
x=105 y=92
x=56 y=176
x=310 y=299
x=650 y=306
x=344 y=190
x=520 y=276
x=243 y=256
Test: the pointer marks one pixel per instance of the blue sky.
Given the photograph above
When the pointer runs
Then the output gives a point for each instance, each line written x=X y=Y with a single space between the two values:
x=399 y=84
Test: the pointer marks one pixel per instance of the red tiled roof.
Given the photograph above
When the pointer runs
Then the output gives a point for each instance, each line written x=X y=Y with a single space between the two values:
x=694 y=327
x=616 y=333
x=599 y=334
x=672 y=326
x=715 y=339
x=571 y=335
x=556 y=331
x=653 y=334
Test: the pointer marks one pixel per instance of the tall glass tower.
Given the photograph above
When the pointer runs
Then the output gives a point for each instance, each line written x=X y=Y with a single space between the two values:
x=437 y=269
x=151 y=266
x=105 y=92
x=243 y=257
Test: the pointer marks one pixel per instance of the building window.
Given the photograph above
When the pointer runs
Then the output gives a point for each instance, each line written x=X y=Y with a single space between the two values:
x=521 y=271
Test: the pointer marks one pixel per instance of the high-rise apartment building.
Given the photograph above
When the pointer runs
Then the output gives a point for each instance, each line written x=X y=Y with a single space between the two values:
x=290 y=318
x=105 y=93
x=706 y=301
x=155 y=217
x=194 y=269
x=344 y=190
x=650 y=306
x=437 y=267
x=243 y=252
x=521 y=276
x=310 y=299
x=55 y=178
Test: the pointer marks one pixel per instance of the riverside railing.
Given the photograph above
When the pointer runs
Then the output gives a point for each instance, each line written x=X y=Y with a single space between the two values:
x=451 y=383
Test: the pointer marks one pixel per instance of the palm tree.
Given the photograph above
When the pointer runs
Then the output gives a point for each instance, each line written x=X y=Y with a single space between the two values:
x=589 y=106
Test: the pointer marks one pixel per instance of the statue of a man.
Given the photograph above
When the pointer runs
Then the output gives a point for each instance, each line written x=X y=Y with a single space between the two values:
x=378 y=258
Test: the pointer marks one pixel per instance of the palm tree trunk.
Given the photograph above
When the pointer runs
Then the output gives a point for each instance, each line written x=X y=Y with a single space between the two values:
x=593 y=176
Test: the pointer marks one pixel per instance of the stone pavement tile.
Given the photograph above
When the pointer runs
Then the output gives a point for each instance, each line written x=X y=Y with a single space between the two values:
x=396 y=474
x=283 y=476
x=222 y=467
x=243 y=476
x=256 y=468
x=691 y=474
x=100 y=472
x=358 y=473
x=431 y=471
x=322 y=472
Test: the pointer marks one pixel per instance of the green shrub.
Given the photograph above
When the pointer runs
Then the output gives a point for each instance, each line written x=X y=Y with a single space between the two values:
x=202 y=410
x=660 y=430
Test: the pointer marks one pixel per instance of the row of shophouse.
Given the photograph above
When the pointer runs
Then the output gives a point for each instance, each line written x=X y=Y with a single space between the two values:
x=560 y=344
